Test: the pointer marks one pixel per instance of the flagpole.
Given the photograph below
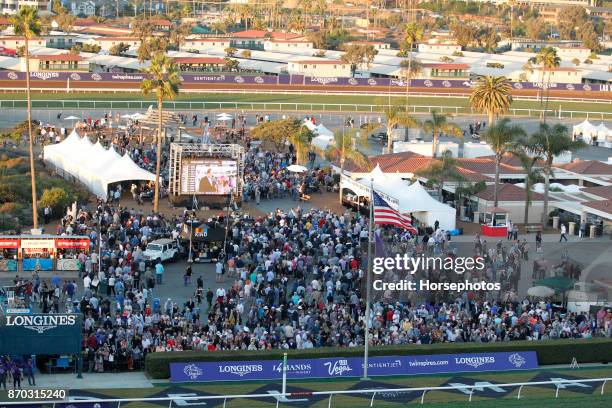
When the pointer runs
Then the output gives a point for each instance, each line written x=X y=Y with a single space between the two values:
x=368 y=283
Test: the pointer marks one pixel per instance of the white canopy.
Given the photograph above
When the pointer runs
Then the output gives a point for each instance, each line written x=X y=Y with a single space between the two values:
x=92 y=164
x=321 y=130
x=603 y=132
x=587 y=130
x=309 y=125
x=407 y=198
x=321 y=142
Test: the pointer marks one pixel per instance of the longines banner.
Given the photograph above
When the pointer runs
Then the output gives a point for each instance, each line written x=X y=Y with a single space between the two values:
x=40 y=334
x=352 y=367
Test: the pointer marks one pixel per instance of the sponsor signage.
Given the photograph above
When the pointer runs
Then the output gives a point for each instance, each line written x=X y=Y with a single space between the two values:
x=9 y=243
x=352 y=366
x=37 y=243
x=289 y=80
x=72 y=243
x=40 y=333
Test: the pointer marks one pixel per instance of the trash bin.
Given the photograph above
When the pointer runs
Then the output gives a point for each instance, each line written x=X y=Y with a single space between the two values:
x=572 y=228
x=156 y=305
x=592 y=231
x=555 y=224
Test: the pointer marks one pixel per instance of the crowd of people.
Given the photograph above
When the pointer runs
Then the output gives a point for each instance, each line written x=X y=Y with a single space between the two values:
x=296 y=280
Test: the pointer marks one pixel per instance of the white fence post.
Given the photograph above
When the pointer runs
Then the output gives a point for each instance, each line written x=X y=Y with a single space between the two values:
x=372 y=400
x=519 y=393
x=329 y=402
x=423 y=397
x=471 y=393
x=603 y=386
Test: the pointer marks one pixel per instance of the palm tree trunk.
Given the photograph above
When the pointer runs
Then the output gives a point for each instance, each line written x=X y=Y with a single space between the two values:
x=31 y=137
x=160 y=108
x=546 y=188
x=408 y=74
x=389 y=139
x=434 y=144
x=527 y=201
x=491 y=118
x=495 y=199
x=547 y=96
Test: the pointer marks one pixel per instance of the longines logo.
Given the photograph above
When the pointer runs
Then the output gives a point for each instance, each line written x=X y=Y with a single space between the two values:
x=40 y=323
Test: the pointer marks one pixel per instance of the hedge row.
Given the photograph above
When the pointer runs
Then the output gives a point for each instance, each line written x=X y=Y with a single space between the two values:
x=549 y=352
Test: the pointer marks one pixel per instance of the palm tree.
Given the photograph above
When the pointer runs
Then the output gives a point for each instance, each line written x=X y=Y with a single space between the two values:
x=27 y=24
x=437 y=125
x=492 y=96
x=549 y=60
x=395 y=116
x=524 y=151
x=548 y=142
x=162 y=78
x=414 y=34
x=440 y=171
x=344 y=149
x=501 y=137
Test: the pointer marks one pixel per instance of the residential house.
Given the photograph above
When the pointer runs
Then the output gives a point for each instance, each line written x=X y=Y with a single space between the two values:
x=83 y=8
x=202 y=44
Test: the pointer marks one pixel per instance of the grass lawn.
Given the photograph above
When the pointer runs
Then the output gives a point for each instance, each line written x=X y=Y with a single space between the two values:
x=541 y=397
x=273 y=102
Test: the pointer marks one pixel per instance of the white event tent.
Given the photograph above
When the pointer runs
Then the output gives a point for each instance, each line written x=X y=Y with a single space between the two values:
x=406 y=198
x=586 y=129
x=92 y=164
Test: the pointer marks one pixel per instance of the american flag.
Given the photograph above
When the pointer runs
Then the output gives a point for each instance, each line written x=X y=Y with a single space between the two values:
x=385 y=215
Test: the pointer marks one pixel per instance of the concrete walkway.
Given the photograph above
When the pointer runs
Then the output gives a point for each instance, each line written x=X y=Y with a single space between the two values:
x=69 y=381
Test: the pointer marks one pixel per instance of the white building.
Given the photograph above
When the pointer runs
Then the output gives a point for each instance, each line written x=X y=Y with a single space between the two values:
x=287 y=45
x=569 y=53
x=563 y=75
x=205 y=44
x=446 y=49
x=320 y=68
x=106 y=43
x=11 y=6
x=378 y=45
x=86 y=8
x=16 y=42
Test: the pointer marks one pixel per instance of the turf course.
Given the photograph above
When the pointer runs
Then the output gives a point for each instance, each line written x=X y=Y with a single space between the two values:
x=313 y=103
x=587 y=395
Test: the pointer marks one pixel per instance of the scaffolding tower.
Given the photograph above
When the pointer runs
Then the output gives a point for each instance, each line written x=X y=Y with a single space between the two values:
x=180 y=151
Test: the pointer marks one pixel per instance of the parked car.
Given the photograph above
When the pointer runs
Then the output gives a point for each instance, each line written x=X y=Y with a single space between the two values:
x=165 y=249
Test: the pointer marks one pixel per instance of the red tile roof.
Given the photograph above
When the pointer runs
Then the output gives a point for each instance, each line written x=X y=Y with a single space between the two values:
x=59 y=57
x=263 y=34
x=406 y=162
x=4 y=21
x=507 y=192
x=320 y=62
x=600 y=205
x=588 y=167
x=210 y=39
x=447 y=66
x=117 y=39
x=604 y=192
x=199 y=60
x=486 y=165
x=472 y=175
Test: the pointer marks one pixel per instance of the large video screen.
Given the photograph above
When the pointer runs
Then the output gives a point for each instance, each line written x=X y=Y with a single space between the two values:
x=209 y=176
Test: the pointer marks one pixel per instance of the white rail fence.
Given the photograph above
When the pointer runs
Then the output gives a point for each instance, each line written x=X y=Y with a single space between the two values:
x=289 y=397
x=559 y=113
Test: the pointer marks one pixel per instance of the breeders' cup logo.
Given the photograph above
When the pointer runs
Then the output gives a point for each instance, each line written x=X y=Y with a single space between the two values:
x=241 y=370
x=75 y=77
x=239 y=79
x=518 y=85
x=192 y=371
x=338 y=368
x=446 y=84
x=517 y=360
x=353 y=81
x=372 y=82
x=475 y=361
x=324 y=81
x=40 y=323
x=12 y=75
x=259 y=80
x=586 y=87
x=428 y=83
x=96 y=77
x=570 y=87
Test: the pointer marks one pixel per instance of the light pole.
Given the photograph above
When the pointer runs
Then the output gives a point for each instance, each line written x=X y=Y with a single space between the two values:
x=368 y=285
x=190 y=258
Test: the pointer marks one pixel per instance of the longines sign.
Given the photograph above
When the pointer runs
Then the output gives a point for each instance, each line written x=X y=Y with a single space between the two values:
x=41 y=323
x=40 y=333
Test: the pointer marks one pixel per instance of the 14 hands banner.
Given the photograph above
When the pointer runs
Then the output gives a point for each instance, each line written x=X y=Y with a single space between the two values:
x=351 y=367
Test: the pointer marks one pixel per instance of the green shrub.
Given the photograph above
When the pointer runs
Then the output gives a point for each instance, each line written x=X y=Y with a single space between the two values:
x=57 y=199
x=549 y=352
